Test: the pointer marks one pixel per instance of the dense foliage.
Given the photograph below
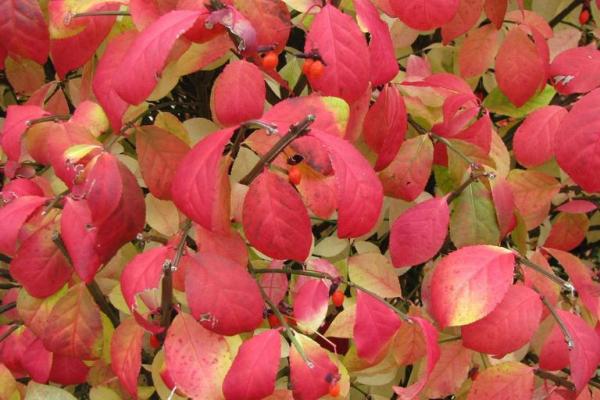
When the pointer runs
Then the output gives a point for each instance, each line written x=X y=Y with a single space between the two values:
x=299 y=199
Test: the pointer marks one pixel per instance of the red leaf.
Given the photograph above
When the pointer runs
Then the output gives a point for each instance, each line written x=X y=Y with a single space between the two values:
x=22 y=187
x=270 y=19
x=159 y=154
x=432 y=353
x=200 y=187
x=310 y=304
x=568 y=231
x=344 y=49
x=478 y=50
x=126 y=354
x=274 y=285
x=24 y=30
x=144 y=272
x=39 y=265
x=37 y=361
x=13 y=216
x=533 y=192
x=68 y=370
x=533 y=143
x=74 y=326
x=107 y=69
x=196 y=358
x=359 y=192
x=425 y=15
x=73 y=52
x=469 y=283
x=313 y=380
x=577 y=206
x=15 y=125
x=495 y=11
x=385 y=126
x=384 y=66
x=238 y=94
x=275 y=220
x=577 y=139
x=407 y=175
x=229 y=244
x=509 y=326
x=520 y=70
x=374 y=328
x=465 y=18
x=419 y=233
x=509 y=380
x=554 y=354
x=223 y=295
x=532 y=21
x=254 y=369
x=148 y=54
x=504 y=204
x=576 y=70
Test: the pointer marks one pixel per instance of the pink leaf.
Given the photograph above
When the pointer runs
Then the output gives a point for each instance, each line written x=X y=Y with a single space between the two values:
x=24 y=29
x=74 y=51
x=274 y=285
x=159 y=154
x=509 y=380
x=344 y=50
x=432 y=353
x=384 y=66
x=275 y=220
x=226 y=244
x=504 y=204
x=313 y=380
x=577 y=206
x=238 y=94
x=148 y=54
x=419 y=233
x=554 y=354
x=359 y=192
x=143 y=272
x=13 y=216
x=37 y=361
x=520 y=70
x=577 y=141
x=223 y=295
x=451 y=370
x=107 y=70
x=374 y=328
x=407 y=175
x=533 y=143
x=15 y=125
x=199 y=188
x=478 y=50
x=126 y=354
x=425 y=15
x=385 y=126
x=39 y=265
x=469 y=283
x=509 y=327
x=576 y=70
x=467 y=15
x=310 y=304
x=253 y=372
x=196 y=358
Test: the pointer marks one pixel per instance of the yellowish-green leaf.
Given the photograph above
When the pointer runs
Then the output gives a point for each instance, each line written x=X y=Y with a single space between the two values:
x=374 y=272
x=498 y=103
x=162 y=215
x=37 y=391
x=172 y=124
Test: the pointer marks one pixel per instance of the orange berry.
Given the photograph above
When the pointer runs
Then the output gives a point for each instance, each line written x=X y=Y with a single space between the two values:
x=274 y=322
x=584 y=16
x=306 y=66
x=334 y=390
x=294 y=175
x=270 y=60
x=338 y=298
x=316 y=70
x=154 y=342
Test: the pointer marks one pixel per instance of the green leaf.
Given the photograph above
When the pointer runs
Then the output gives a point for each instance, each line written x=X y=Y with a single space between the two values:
x=36 y=391
x=473 y=219
x=498 y=103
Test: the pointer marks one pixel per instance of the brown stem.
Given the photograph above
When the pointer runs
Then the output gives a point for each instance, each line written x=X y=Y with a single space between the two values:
x=55 y=201
x=100 y=14
x=559 y=321
x=558 y=380
x=9 y=285
x=8 y=306
x=566 y=11
x=242 y=133
x=166 y=299
x=9 y=331
x=104 y=305
x=295 y=131
x=564 y=284
x=472 y=178
x=49 y=118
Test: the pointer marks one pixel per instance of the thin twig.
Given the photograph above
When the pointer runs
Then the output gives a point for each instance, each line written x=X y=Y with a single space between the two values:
x=101 y=14
x=242 y=133
x=566 y=11
x=559 y=321
x=166 y=300
x=472 y=178
x=104 y=305
x=9 y=332
x=561 y=282
x=55 y=201
x=9 y=285
x=49 y=118
x=155 y=107
x=560 y=381
x=7 y=307
x=295 y=131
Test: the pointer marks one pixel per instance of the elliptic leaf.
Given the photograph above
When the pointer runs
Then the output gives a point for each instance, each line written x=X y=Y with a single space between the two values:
x=311 y=298
x=24 y=30
x=469 y=283
x=478 y=50
x=126 y=354
x=450 y=371
x=13 y=216
x=270 y=19
x=424 y=15
x=576 y=70
x=311 y=380
x=15 y=125
x=509 y=380
x=467 y=15
x=568 y=231
x=375 y=273
x=533 y=191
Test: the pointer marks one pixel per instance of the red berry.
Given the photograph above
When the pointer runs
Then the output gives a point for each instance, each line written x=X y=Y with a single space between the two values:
x=584 y=16
x=338 y=298
x=306 y=66
x=274 y=322
x=334 y=390
x=294 y=175
x=316 y=70
x=270 y=60
x=154 y=342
